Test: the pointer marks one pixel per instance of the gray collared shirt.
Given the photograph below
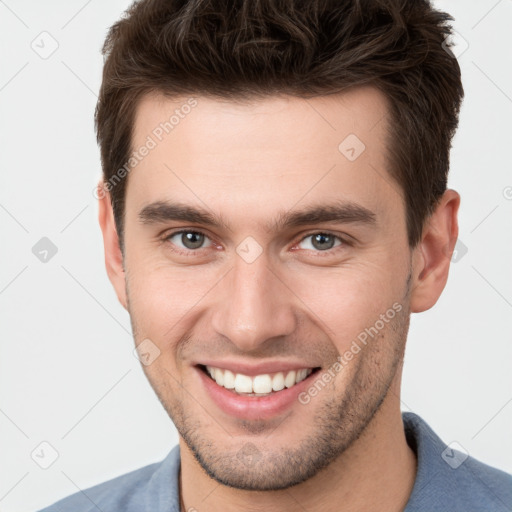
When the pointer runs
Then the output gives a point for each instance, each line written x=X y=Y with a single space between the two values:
x=447 y=480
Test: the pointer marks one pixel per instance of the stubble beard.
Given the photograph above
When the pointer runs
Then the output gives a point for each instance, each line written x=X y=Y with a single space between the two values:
x=339 y=421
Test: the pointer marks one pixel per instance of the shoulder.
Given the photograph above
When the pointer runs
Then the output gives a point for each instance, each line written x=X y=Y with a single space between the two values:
x=142 y=489
x=449 y=478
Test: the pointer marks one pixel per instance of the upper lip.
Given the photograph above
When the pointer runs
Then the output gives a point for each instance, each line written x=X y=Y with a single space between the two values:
x=252 y=369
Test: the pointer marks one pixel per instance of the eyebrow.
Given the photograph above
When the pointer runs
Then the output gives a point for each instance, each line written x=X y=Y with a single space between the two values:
x=341 y=212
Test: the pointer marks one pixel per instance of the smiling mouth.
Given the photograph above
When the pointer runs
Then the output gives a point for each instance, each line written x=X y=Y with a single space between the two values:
x=258 y=385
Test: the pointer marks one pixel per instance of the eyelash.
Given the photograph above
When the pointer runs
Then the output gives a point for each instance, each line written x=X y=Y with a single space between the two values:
x=191 y=252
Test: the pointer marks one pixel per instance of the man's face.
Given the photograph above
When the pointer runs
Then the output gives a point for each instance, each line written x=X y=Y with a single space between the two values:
x=259 y=296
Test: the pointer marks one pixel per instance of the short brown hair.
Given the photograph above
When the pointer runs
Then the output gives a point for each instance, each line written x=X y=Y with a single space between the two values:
x=240 y=49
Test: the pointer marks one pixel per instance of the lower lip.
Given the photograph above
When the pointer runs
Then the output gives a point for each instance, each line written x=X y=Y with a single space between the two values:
x=253 y=407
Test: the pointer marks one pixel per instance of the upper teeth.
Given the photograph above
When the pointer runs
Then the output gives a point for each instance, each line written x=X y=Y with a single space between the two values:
x=265 y=383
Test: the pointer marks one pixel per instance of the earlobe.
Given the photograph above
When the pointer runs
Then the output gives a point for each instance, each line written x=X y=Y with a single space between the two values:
x=432 y=256
x=113 y=255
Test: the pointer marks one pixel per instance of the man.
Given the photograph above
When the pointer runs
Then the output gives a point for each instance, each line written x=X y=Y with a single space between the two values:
x=273 y=209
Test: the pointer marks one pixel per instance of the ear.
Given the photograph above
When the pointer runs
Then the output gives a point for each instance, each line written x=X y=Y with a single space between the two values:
x=432 y=256
x=113 y=254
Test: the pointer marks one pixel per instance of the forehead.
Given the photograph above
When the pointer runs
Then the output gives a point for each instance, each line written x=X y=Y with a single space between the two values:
x=251 y=156
x=275 y=122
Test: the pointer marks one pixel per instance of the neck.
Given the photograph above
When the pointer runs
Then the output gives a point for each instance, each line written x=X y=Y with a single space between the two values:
x=376 y=472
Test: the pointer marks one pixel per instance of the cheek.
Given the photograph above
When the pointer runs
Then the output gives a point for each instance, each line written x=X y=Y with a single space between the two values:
x=348 y=300
x=164 y=299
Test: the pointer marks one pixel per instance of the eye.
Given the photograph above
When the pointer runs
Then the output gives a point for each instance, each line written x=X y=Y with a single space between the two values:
x=321 y=241
x=189 y=240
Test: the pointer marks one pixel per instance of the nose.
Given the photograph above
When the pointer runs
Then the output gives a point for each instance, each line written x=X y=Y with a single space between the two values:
x=254 y=305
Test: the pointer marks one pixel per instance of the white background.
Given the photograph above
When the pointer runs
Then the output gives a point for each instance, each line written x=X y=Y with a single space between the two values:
x=68 y=375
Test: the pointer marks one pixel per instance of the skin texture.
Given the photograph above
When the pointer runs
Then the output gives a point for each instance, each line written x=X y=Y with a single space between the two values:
x=249 y=163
